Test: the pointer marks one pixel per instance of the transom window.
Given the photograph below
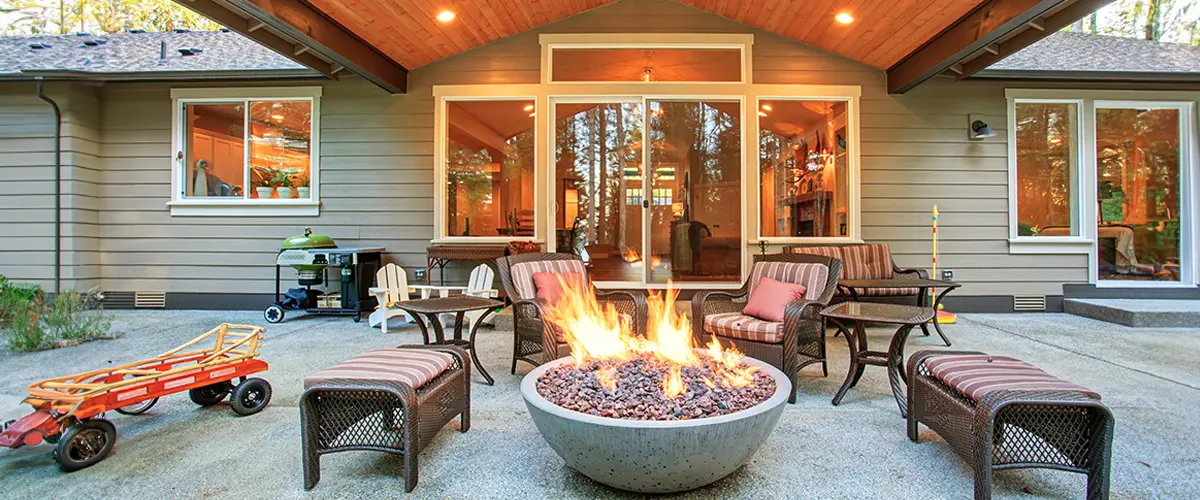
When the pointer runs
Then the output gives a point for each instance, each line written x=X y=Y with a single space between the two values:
x=245 y=151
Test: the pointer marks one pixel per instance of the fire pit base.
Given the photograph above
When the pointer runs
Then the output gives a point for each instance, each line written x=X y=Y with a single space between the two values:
x=655 y=456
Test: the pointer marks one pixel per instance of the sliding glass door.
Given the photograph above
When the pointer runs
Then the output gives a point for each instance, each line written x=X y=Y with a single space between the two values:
x=676 y=217
x=1140 y=191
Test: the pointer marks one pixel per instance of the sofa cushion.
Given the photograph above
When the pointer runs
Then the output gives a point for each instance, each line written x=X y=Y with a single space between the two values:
x=872 y=261
x=976 y=375
x=522 y=274
x=771 y=297
x=550 y=285
x=741 y=326
x=888 y=292
x=812 y=276
x=414 y=367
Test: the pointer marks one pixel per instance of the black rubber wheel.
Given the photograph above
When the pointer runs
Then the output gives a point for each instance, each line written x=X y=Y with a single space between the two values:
x=273 y=314
x=210 y=394
x=137 y=409
x=358 y=317
x=85 y=444
x=250 y=396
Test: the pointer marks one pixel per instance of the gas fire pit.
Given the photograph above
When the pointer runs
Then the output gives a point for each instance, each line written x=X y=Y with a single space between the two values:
x=654 y=414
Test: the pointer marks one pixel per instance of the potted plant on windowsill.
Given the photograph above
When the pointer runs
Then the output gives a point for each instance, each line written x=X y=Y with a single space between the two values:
x=284 y=185
x=302 y=191
x=264 y=188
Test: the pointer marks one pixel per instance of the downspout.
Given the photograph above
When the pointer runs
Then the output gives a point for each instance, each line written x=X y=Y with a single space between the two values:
x=57 y=187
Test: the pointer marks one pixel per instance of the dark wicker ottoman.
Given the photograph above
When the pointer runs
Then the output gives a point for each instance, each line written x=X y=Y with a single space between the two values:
x=363 y=405
x=1007 y=429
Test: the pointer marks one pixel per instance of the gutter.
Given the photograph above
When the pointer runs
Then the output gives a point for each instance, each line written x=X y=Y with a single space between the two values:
x=150 y=76
x=1089 y=76
x=57 y=187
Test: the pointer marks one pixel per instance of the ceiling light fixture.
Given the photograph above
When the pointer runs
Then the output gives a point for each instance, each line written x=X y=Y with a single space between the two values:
x=528 y=107
x=766 y=107
x=276 y=117
x=762 y=113
x=445 y=16
x=531 y=115
x=844 y=18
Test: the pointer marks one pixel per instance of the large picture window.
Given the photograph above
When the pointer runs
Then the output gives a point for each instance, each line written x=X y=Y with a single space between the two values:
x=804 y=168
x=1046 y=141
x=244 y=154
x=489 y=171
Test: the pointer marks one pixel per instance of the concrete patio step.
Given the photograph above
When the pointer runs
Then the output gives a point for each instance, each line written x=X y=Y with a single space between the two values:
x=1138 y=313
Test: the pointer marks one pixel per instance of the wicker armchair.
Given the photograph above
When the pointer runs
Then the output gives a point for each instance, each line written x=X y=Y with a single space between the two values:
x=535 y=341
x=802 y=333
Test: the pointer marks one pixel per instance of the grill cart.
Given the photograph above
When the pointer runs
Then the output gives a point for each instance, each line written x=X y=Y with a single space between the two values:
x=312 y=255
x=68 y=411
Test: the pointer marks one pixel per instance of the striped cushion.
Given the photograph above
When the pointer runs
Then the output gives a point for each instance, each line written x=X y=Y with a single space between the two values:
x=888 y=292
x=812 y=276
x=414 y=367
x=976 y=375
x=522 y=274
x=740 y=326
x=872 y=261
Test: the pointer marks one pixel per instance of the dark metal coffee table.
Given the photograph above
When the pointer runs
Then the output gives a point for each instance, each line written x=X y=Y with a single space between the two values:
x=852 y=286
x=459 y=305
x=858 y=314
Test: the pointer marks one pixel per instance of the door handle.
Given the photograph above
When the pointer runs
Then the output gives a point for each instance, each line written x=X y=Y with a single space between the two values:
x=645 y=203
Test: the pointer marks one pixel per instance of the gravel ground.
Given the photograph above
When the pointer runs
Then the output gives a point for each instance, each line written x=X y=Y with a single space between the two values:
x=855 y=450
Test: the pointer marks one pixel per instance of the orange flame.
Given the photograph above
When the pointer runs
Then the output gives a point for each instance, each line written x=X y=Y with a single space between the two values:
x=631 y=256
x=598 y=332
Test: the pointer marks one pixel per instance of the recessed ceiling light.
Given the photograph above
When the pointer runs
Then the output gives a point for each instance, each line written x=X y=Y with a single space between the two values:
x=766 y=107
x=445 y=16
x=531 y=115
x=528 y=107
x=276 y=117
x=762 y=113
x=844 y=18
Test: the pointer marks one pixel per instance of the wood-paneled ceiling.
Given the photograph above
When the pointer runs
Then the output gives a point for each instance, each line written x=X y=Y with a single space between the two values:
x=882 y=33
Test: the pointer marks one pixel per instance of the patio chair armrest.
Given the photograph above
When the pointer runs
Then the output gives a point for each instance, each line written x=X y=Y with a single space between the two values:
x=489 y=293
x=536 y=307
x=632 y=303
x=709 y=302
x=919 y=273
x=380 y=295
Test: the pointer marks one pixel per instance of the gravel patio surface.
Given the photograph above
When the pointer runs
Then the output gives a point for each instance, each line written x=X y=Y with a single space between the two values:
x=859 y=449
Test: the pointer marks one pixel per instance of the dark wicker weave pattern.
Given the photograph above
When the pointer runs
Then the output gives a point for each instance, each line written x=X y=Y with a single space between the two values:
x=1062 y=430
x=803 y=327
x=534 y=341
x=350 y=414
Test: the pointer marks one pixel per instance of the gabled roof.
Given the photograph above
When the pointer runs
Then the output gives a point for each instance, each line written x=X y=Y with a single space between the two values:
x=136 y=54
x=1067 y=52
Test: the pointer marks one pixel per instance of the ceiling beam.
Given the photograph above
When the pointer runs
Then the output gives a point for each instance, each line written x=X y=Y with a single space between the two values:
x=251 y=29
x=310 y=28
x=1050 y=24
x=978 y=31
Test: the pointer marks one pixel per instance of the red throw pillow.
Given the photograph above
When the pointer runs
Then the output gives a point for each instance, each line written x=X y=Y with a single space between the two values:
x=549 y=286
x=770 y=298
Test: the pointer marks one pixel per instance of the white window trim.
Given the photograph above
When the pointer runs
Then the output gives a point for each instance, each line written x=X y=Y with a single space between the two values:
x=850 y=95
x=740 y=42
x=1183 y=100
x=1078 y=244
x=245 y=207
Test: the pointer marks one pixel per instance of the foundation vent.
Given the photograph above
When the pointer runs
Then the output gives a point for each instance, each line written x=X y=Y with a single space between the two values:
x=118 y=300
x=1029 y=302
x=156 y=300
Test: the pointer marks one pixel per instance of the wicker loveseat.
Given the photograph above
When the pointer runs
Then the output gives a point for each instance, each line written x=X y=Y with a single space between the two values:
x=870 y=261
x=791 y=345
x=536 y=341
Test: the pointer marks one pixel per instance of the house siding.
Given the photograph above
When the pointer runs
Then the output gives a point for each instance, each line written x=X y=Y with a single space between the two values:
x=377 y=170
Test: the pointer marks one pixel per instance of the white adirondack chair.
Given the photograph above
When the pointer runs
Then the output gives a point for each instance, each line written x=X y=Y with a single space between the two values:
x=480 y=285
x=391 y=286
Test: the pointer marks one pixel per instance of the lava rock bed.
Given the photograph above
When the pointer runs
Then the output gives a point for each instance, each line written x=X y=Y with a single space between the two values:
x=639 y=390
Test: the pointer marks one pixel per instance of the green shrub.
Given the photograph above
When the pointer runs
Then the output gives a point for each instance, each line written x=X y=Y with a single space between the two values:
x=30 y=324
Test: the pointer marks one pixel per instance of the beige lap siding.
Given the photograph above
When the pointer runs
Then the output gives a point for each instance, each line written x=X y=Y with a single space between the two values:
x=413 y=367
x=522 y=274
x=741 y=326
x=974 y=376
x=812 y=276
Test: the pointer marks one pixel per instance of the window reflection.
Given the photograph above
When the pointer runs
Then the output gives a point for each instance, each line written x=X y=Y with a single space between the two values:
x=489 y=168
x=215 y=158
x=1047 y=169
x=1138 y=192
x=280 y=148
x=803 y=166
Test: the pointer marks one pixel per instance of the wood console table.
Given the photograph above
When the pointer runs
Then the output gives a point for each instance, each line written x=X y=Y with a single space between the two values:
x=440 y=255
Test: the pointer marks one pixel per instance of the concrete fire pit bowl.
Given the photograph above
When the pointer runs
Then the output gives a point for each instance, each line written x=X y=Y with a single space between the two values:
x=655 y=456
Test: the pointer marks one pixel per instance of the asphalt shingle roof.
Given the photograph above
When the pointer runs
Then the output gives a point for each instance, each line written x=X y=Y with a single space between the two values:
x=1067 y=51
x=139 y=53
